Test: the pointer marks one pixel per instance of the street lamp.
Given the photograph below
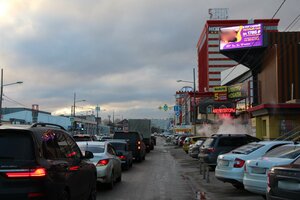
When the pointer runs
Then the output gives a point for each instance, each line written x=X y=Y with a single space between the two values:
x=1 y=92
x=194 y=106
x=74 y=108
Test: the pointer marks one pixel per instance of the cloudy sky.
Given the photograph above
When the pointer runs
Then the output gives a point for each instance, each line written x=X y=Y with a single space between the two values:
x=124 y=55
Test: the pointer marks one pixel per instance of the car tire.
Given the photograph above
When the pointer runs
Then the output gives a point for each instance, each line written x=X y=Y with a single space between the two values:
x=93 y=193
x=238 y=186
x=119 y=179
x=111 y=184
x=64 y=195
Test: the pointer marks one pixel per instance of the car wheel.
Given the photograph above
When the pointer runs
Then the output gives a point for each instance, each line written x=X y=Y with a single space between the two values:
x=110 y=185
x=119 y=179
x=93 y=193
x=64 y=195
x=238 y=186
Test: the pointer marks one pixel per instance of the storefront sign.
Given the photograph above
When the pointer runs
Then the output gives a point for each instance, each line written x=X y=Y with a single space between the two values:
x=238 y=37
x=223 y=110
x=236 y=91
x=220 y=93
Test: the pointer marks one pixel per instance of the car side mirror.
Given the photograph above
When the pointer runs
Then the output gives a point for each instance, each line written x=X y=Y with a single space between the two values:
x=88 y=155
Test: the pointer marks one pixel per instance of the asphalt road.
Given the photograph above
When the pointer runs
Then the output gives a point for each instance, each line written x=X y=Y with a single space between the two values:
x=157 y=178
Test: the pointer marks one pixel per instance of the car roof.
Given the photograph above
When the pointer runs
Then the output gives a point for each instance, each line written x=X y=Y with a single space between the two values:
x=117 y=141
x=230 y=135
x=271 y=142
x=92 y=143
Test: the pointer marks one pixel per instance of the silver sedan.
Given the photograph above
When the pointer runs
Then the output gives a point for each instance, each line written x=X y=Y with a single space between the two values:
x=108 y=164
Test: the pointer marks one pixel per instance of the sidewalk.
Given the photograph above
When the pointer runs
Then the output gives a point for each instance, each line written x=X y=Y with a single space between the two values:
x=215 y=189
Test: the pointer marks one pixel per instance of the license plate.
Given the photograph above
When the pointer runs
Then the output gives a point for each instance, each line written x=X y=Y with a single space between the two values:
x=223 y=162
x=258 y=170
x=288 y=185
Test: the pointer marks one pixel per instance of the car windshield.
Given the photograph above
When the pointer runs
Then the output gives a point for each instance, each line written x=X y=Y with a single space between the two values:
x=247 y=149
x=93 y=149
x=118 y=146
x=290 y=152
x=15 y=145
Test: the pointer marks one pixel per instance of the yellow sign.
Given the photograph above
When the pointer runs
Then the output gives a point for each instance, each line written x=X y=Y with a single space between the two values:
x=220 y=89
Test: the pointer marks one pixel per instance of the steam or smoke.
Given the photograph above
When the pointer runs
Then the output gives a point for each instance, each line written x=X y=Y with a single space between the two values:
x=231 y=126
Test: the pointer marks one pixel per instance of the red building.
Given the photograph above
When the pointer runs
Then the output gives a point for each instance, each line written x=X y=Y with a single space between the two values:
x=210 y=61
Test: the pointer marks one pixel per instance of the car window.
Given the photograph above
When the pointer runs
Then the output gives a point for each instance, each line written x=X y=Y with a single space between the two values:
x=247 y=149
x=55 y=145
x=297 y=162
x=119 y=146
x=16 y=145
x=74 y=148
x=231 y=141
x=284 y=152
x=209 y=142
x=93 y=149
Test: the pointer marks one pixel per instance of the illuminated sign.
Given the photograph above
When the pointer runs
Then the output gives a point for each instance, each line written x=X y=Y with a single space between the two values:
x=223 y=110
x=238 y=37
x=220 y=93
x=236 y=91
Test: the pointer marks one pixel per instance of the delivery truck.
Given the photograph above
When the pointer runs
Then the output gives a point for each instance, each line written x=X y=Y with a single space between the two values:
x=142 y=126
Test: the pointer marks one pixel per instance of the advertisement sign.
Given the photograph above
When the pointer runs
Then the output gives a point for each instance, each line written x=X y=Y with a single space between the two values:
x=220 y=93
x=238 y=37
x=223 y=110
x=236 y=91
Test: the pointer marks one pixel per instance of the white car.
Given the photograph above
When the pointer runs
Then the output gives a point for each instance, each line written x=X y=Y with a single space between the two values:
x=105 y=159
x=255 y=174
x=230 y=166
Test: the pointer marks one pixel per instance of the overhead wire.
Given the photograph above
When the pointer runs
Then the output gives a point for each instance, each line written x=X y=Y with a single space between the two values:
x=247 y=52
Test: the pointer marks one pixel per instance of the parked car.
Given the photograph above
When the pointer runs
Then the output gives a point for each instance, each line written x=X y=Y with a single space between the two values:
x=230 y=166
x=153 y=142
x=220 y=144
x=123 y=152
x=181 y=140
x=42 y=161
x=136 y=143
x=84 y=137
x=255 y=175
x=284 y=181
x=194 y=149
x=105 y=159
x=190 y=140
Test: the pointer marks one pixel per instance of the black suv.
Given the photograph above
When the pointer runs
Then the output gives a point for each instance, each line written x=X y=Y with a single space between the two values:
x=220 y=144
x=137 y=145
x=43 y=161
x=122 y=148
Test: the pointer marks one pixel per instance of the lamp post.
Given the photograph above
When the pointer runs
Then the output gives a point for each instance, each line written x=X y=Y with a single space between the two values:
x=1 y=92
x=74 y=109
x=194 y=95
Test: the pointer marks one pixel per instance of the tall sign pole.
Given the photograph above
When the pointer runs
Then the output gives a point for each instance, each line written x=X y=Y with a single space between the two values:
x=194 y=106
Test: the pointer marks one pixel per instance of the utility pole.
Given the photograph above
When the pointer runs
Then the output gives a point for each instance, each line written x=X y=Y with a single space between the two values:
x=97 y=119
x=194 y=107
x=1 y=95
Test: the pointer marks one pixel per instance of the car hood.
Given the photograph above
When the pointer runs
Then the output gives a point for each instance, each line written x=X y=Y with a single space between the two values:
x=268 y=162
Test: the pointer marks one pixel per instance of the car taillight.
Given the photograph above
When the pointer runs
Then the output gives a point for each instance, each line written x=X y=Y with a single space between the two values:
x=210 y=150
x=238 y=163
x=103 y=162
x=39 y=172
x=122 y=157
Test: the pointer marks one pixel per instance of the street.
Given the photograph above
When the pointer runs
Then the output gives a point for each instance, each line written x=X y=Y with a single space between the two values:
x=169 y=174
x=158 y=177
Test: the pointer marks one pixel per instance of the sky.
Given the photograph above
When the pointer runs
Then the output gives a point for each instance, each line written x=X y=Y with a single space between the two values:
x=124 y=55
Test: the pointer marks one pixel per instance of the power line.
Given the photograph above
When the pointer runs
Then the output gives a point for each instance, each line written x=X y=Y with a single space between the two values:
x=14 y=101
x=252 y=44
x=278 y=9
x=292 y=24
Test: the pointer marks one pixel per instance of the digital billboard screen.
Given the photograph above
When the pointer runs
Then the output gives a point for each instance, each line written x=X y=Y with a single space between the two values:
x=237 y=37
